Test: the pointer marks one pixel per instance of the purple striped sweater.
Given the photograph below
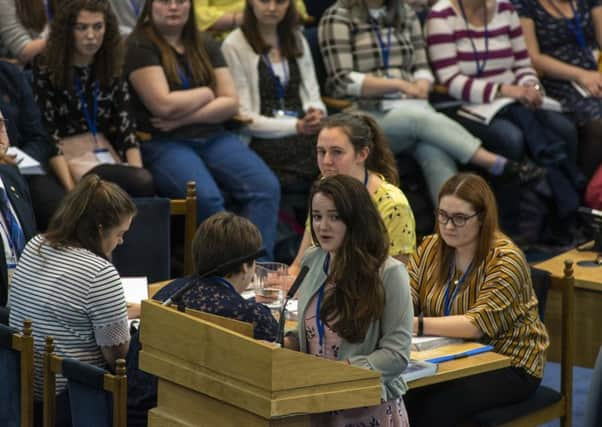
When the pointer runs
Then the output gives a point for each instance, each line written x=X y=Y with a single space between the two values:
x=453 y=57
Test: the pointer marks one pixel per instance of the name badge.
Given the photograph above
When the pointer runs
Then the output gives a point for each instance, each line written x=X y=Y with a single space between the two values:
x=104 y=156
x=282 y=114
x=10 y=270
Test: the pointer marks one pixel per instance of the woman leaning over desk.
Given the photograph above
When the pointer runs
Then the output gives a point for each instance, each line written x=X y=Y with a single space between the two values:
x=470 y=281
x=354 y=304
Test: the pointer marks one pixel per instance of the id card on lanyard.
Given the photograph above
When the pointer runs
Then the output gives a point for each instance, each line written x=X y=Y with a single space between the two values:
x=575 y=25
x=281 y=112
x=385 y=49
x=449 y=299
x=11 y=258
x=102 y=154
x=319 y=323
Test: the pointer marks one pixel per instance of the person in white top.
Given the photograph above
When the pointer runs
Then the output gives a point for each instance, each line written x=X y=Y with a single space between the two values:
x=276 y=84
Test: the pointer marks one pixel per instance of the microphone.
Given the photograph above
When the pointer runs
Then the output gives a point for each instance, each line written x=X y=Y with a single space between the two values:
x=291 y=293
x=177 y=295
x=592 y=212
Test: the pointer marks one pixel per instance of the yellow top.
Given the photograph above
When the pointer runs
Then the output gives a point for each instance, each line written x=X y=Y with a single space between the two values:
x=209 y=11
x=398 y=217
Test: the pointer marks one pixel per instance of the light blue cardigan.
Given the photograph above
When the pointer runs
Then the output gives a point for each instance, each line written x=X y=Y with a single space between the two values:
x=386 y=347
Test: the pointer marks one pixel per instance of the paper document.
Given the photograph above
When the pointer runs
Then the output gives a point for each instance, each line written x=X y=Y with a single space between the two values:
x=581 y=90
x=484 y=113
x=27 y=165
x=418 y=369
x=135 y=289
x=430 y=342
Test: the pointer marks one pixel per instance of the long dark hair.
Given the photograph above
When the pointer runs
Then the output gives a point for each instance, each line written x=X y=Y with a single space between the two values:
x=359 y=295
x=197 y=57
x=363 y=131
x=93 y=205
x=474 y=190
x=290 y=43
x=58 y=56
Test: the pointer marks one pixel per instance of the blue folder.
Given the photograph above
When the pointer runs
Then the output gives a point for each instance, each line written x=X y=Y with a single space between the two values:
x=468 y=353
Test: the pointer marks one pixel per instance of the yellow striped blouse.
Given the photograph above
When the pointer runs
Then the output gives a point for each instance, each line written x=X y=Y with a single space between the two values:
x=498 y=298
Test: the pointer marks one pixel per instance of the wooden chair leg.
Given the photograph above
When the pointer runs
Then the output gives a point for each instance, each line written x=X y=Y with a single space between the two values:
x=49 y=386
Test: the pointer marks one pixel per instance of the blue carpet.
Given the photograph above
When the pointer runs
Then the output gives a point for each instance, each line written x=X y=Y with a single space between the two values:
x=581 y=381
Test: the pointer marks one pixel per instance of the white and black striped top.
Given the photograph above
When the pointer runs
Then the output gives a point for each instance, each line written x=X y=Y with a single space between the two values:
x=70 y=294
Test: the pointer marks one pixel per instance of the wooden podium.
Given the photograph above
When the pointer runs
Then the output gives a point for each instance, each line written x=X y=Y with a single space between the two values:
x=210 y=375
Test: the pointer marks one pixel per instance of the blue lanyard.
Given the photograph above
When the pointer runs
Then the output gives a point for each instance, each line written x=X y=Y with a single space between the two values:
x=477 y=56
x=365 y=176
x=91 y=119
x=223 y=282
x=279 y=85
x=574 y=24
x=448 y=301
x=385 y=50
x=184 y=77
x=49 y=11
x=136 y=6
x=319 y=323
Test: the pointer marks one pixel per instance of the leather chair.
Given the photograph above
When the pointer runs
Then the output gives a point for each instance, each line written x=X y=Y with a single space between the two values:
x=16 y=376
x=546 y=404
x=97 y=398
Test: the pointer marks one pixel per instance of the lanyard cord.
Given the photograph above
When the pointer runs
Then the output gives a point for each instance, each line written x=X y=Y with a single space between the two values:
x=385 y=50
x=280 y=85
x=458 y=284
x=477 y=56
x=91 y=118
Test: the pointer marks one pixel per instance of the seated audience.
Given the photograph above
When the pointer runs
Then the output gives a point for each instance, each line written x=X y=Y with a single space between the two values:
x=183 y=94
x=479 y=54
x=567 y=63
x=23 y=27
x=374 y=52
x=353 y=144
x=222 y=16
x=17 y=220
x=26 y=132
x=84 y=102
x=127 y=13
x=221 y=238
x=277 y=88
x=66 y=284
x=471 y=281
x=347 y=311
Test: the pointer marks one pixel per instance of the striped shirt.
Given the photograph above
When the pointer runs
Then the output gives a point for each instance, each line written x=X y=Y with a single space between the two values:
x=450 y=44
x=498 y=298
x=72 y=295
x=351 y=50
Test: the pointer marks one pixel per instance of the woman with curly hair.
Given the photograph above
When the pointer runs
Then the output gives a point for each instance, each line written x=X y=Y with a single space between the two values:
x=84 y=102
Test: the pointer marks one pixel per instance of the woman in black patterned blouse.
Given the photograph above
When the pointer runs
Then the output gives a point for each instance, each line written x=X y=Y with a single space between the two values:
x=84 y=101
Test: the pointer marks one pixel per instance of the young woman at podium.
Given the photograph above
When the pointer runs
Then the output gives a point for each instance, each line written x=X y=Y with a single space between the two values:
x=471 y=281
x=354 y=304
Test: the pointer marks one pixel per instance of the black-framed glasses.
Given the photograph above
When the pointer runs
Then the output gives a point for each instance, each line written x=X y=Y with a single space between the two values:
x=458 y=220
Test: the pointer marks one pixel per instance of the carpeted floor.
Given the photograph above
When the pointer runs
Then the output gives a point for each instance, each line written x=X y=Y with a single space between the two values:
x=581 y=381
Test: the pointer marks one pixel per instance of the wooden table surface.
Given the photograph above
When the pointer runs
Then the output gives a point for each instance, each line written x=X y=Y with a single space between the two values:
x=586 y=277
x=458 y=368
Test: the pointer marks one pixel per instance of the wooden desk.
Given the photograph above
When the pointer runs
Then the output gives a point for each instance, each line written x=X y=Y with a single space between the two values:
x=458 y=368
x=588 y=307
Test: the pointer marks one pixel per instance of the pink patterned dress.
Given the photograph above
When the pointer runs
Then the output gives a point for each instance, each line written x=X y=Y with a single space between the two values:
x=387 y=414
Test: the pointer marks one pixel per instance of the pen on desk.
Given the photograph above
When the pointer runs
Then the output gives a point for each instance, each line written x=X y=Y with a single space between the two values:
x=447 y=358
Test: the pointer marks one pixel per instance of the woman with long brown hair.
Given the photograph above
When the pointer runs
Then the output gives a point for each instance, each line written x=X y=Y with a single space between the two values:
x=85 y=102
x=22 y=27
x=354 y=304
x=469 y=280
x=277 y=88
x=183 y=94
x=353 y=144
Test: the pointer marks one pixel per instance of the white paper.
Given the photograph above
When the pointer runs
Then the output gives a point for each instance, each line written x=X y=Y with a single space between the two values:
x=27 y=165
x=582 y=91
x=390 y=104
x=135 y=289
x=484 y=113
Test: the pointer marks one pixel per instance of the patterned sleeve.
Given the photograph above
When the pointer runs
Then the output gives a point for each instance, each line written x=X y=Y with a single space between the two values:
x=107 y=308
x=120 y=123
x=523 y=71
x=47 y=99
x=524 y=8
x=444 y=60
x=334 y=34
x=415 y=267
x=503 y=293
x=265 y=326
x=399 y=221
